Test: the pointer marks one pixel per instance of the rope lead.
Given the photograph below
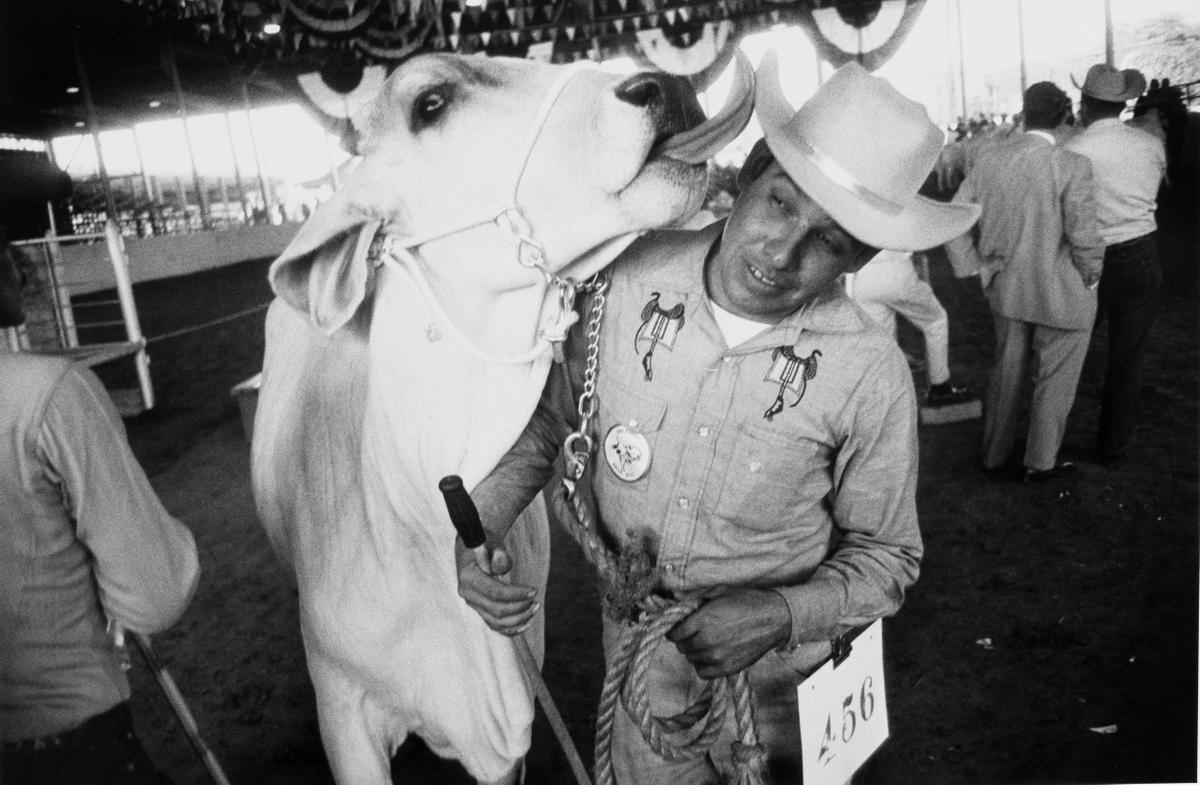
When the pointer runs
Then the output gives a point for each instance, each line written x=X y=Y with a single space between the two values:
x=625 y=681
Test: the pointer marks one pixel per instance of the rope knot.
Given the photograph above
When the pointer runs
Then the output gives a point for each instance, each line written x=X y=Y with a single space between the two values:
x=629 y=580
x=627 y=587
x=749 y=763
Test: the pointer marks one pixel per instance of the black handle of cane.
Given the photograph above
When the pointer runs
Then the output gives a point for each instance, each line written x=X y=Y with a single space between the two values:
x=463 y=513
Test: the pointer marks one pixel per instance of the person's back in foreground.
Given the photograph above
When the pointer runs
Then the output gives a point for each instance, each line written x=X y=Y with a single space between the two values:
x=87 y=551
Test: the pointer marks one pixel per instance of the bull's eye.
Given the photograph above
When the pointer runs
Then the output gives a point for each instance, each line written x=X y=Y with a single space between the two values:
x=429 y=106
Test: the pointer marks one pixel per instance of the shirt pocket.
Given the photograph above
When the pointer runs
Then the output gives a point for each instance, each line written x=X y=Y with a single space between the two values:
x=630 y=431
x=772 y=479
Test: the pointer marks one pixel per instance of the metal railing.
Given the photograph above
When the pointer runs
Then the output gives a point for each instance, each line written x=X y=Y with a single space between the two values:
x=83 y=311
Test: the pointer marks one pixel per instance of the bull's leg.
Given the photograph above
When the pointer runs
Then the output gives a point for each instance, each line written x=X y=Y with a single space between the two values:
x=351 y=727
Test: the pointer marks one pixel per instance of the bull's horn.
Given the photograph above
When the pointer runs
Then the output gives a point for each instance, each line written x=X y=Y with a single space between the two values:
x=697 y=145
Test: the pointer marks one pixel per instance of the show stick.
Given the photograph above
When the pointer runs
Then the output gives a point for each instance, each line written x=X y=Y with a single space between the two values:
x=180 y=707
x=466 y=522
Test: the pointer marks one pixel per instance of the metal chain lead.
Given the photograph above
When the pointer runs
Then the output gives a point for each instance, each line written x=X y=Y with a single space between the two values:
x=587 y=399
x=577 y=448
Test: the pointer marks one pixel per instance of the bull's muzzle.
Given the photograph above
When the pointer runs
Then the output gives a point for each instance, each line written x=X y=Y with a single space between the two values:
x=669 y=99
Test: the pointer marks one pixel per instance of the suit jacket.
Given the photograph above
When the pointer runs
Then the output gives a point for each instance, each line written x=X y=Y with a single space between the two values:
x=1038 y=235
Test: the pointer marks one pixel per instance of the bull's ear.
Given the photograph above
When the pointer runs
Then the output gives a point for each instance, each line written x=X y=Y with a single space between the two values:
x=324 y=270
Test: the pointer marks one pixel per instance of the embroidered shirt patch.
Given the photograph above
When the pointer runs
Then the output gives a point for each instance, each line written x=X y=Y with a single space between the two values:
x=658 y=326
x=790 y=373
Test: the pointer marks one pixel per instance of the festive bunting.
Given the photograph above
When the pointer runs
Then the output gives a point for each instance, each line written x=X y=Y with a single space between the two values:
x=342 y=105
x=310 y=20
x=699 y=53
x=838 y=40
x=680 y=36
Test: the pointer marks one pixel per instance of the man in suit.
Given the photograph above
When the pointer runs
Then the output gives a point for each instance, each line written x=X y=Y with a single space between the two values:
x=1038 y=252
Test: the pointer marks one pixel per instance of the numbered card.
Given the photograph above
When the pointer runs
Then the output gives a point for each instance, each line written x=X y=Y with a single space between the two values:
x=843 y=712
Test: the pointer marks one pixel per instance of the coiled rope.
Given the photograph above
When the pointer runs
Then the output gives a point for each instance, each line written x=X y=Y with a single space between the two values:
x=627 y=581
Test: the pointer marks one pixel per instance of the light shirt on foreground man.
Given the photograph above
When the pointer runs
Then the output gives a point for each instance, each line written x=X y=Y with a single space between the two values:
x=85 y=542
x=776 y=476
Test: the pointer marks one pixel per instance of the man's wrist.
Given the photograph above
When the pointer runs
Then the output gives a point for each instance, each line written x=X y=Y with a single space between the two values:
x=786 y=637
x=815 y=608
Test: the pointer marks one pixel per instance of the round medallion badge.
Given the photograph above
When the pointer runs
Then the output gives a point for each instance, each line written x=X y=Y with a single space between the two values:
x=627 y=453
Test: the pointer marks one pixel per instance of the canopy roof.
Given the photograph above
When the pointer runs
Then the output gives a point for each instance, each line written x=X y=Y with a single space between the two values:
x=124 y=54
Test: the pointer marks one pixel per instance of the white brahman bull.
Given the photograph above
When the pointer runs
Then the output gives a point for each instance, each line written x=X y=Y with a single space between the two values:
x=485 y=184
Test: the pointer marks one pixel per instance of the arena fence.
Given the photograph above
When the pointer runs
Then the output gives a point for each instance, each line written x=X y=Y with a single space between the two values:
x=87 y=313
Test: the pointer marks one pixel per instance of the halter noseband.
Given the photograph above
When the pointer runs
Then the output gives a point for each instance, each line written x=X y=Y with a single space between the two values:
x=397 y=251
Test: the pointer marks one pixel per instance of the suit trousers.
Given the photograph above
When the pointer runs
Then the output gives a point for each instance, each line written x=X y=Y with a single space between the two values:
x=1054 y=357
x=1128 y=301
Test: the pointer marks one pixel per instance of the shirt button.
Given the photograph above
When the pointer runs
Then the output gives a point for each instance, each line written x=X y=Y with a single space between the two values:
x=755 y=466
x=702 y=430
x=633 y=423
x=668 y=568
x=726 y=359
x=683 y=504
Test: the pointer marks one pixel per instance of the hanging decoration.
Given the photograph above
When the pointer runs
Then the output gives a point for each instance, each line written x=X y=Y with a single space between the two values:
x=330 y=24
x=342 y=100
x=695 y=38
x=702 y=59
x=868 y=31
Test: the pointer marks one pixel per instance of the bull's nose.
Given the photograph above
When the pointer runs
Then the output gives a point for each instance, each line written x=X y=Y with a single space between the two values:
x=643 y=90
x=669 y=100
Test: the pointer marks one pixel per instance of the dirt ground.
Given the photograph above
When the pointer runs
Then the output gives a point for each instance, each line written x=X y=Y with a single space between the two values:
x=1087 y=589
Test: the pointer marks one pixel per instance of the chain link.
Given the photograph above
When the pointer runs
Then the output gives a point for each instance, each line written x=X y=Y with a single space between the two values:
x=577 y=448
x=587 y=398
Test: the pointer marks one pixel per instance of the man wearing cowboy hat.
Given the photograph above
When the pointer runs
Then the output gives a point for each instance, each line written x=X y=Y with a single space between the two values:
x=756 y=431
x=1128 y=165
x=1039 y=256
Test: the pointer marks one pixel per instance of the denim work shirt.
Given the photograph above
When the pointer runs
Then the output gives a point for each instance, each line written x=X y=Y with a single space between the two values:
x=83 y=539
x=787 y=462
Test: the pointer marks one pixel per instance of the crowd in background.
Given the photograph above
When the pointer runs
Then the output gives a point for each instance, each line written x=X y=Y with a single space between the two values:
x=897 y=284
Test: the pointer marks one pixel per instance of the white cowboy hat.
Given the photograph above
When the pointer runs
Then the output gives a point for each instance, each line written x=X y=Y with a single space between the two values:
x=862 y=150
x=1105 y=83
